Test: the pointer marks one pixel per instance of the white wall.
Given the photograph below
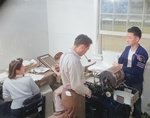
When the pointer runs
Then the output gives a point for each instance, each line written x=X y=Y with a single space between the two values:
x=66 y=20
x=23 y=30
x=29 y=28
x=146 y=89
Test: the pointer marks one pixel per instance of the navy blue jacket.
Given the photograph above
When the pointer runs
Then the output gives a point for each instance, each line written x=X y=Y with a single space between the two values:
x=134 y=74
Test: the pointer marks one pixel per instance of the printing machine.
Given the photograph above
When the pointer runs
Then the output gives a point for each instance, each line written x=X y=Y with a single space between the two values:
x=111 y=98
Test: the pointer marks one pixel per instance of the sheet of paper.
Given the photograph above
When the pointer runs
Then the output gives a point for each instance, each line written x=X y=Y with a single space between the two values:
x=40 y=69
x=99 y=66
x=91 y=79
x=29 y=62
x=35 y=77
x=3 y=76
x=126 y=95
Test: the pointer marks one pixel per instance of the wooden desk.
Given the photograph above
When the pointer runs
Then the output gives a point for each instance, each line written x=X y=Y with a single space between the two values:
x=47 y=79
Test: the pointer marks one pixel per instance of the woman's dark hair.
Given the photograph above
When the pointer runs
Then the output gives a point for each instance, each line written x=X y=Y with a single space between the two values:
x=13 y=66
x=82 y=39
x=136 y=31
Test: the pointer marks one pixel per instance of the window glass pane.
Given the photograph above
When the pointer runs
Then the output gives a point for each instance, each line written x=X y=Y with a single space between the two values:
x=118 y=43
x=146 y=28
x=107 y=6
x=145 y=43
x=147 y=8
x=146 y=25
x=135 y=18
x=121 y=6
x=107 y=25
x=136 y=7
x=113 y=43
x=107 y=22
x=137 y=24
x=107 y=17
x=120 y=17
x=120 y=26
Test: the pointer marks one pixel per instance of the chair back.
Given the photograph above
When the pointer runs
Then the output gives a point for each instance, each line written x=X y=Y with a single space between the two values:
x=1 y=86
x=58 y=55
x=33 y=105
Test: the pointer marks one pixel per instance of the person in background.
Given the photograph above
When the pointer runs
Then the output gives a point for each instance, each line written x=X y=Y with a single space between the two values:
x=72 y=74
x=17 y=88
x=132 y=61
x=59 y=109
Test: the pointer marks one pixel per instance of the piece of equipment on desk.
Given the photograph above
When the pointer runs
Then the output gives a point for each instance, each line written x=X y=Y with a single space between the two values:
x=110 y=95
x=108 y=81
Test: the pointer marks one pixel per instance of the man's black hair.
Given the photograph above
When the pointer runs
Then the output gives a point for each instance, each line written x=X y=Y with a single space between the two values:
x=82 y=39
x=136 y=31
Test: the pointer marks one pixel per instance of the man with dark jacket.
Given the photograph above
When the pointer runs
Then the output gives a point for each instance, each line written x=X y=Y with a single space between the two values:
x=132 y=61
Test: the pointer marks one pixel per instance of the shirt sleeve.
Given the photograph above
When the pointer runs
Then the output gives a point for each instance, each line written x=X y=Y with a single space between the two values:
x=6 y=94
x=34 y=88
x=77 y=85
x=139 y=65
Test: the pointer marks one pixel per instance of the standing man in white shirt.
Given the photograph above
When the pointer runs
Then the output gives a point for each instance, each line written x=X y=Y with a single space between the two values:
x=72 y=74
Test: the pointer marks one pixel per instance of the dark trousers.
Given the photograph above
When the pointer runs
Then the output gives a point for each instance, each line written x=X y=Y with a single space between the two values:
x=7 y=112
x=137 y=105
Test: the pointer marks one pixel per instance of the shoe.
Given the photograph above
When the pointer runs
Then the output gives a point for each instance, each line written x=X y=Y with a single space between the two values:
x=57 y=113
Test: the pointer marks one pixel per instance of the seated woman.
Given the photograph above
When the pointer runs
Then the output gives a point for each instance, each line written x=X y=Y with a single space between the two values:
x=17 y=88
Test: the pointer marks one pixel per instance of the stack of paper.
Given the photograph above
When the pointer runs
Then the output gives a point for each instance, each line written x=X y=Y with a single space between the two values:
x=29 y=64
x=35 y=77
x=127 y=97
x=40 y=69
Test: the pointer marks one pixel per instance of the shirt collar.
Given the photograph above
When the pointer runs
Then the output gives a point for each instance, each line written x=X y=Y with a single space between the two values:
x=18 y=76
x=76 y=54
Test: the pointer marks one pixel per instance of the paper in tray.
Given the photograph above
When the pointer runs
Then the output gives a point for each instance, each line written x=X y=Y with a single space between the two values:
x=126 y=97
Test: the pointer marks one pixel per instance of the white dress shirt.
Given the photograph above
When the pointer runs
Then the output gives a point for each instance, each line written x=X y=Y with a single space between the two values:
x=19 y=89
x=72 y=73
x=130 y=58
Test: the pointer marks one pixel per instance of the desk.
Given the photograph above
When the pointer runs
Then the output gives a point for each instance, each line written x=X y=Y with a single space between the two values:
x=47 y=79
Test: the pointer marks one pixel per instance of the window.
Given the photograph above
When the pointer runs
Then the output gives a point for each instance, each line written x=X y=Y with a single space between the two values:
x=116 y=16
